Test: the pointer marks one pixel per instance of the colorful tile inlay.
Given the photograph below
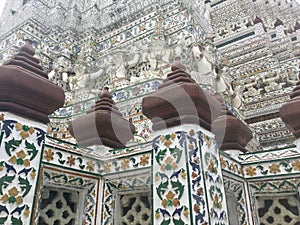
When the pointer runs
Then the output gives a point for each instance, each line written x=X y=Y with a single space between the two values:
x=188 y=189
x=238 y=189
x=21 y=145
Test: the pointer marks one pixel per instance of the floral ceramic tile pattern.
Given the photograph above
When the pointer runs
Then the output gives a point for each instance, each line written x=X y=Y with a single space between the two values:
x=238 y=188
x=21 y=146
x=181 y=185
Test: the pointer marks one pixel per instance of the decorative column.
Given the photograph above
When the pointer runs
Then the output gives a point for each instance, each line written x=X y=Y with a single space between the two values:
x=232 y=135
x=290 y=113
x=187 y=177
x=101 y=129
x=27 y=97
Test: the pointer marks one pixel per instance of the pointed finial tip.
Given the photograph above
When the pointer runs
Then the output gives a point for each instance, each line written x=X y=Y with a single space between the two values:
x=29 y=41
x=178 y=64
x=105 y=93
x=27 y=47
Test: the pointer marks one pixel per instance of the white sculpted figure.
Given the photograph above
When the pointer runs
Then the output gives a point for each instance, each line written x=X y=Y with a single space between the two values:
x=120 y=66
x=202 y=61
x=253 y=87
x=159 y=55
x=118 y=69
x=222 y=85
x=59 y=73
x=203 y=58
x=180 y=45
x=135 y=56
x=81 y=79
x=272 y=83
x=292 y=78
x=236 y=99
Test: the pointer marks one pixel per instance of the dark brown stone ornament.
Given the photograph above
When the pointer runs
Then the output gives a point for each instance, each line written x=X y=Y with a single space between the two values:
x=231 y=133
x=25 y=89
x=180 y=100
x=278 y=22
x=290 y=111
x=102 y=125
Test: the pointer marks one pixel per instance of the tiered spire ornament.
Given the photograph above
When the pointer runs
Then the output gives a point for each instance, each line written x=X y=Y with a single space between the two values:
x=278 y=22
x=297 y=26
x=102 y=125
x=290 y=111
x=25 y=89
x=231 y=133
x=258 y=20
x=180 y=100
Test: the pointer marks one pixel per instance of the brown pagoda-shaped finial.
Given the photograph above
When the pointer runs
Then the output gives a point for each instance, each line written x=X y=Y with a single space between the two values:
x=278 y=22
x=25 y=89
x=297 y=26
x=231 y=133
x=257 y=20
x=290 y=111
x=102 y=125
x=24 y=58
x=180 y=100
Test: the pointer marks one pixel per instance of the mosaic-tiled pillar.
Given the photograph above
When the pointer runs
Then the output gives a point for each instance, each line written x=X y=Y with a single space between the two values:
x=187 y=178
x=26 y=100
x=21 y=146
